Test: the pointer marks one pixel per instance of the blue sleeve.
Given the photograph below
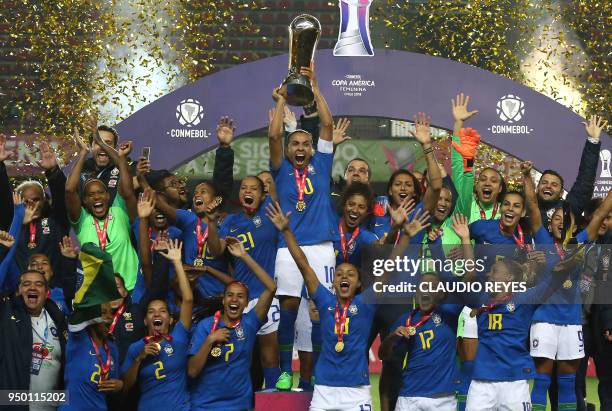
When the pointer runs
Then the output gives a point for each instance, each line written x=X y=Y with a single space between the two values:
x=543 y=236
x=180 y=333
x=224 y=227
x=583 y=237
x=15 y=230
x=321 y=297
x=476 y=229
x=324 y=161
x=198 y=337
x=548 y=283
x=114 y=372
x=253 y=322
x=184 y=219
x=130 y=357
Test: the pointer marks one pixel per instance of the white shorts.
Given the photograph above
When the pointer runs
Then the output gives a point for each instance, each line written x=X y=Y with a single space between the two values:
x=303 y=328
x=498 y=396
x=470 y=324
x=555 y=341
x=326 y=398
x=271 y=324
x=446 y=403
x=289 y=280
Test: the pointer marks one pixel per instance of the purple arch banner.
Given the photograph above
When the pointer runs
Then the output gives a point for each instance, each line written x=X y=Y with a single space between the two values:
x=392 y=84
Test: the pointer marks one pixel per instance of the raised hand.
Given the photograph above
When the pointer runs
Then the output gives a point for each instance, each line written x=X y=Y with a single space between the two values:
x=278 y=95
x=289 y=119
x=47 y=161
x=67 y=248
x=6 y=239
x=276 y=215
x=401 y=331
x=421 y=129
x=125 y=149
x=433 y=235
x=173 y=252
x=235 y=247
x=151 y=349
x=460 y=226
x=17 y=199
x=460 y=107
x=146 y=203
x=143 y=166
x=30 y=211
x=400 y=214
x=594 y=126
x=4 y=155
x=526 y=167
x=310 y=73
x=225 y=131
x=80 y=143
x=339 y=133
x=418 y=223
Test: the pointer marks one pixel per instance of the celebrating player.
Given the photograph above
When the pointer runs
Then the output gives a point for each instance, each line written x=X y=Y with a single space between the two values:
x=221 y=345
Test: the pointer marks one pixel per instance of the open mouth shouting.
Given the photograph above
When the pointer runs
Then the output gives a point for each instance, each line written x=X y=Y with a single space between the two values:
x=160 y=219
x=198 y=202
x=233 y=309
x=32 y=298
x=547 y=194
x=487 y=193
x=102 y=157
x=98 y=208
x=403 y=196
x=352 y=219
x=508 y=217
x=344 y=286
x=248 y=199
x=157 y=325
x=300 y=159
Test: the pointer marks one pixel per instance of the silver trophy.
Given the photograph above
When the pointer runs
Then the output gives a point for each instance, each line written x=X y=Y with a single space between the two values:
x=354 y=34
x=304 y=33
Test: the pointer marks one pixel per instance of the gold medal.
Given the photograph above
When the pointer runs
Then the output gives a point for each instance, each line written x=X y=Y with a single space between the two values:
x=567 y=284
x=198 y=262
x=216 y=351
x=300 y=205
x=411 y=331
x=158 y=346
x=31 y=245
x=339 y=346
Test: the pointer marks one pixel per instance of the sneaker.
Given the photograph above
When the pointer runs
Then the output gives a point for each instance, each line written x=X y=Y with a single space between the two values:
x=284 y=382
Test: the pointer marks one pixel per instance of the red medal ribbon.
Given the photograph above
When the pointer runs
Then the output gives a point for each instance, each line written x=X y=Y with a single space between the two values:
x=216 y=319
x=483 y=215
x=300 y=182
x=520 y=240
x=116 y=317
x=32 y=233
x=492 y=304
x=341 y=319
x=159 y=234
x=344 y=245
x=101 y=233
x=559 y=250
x=422 y=321
x=201 y=238
x=157 y=337
x=104 y=368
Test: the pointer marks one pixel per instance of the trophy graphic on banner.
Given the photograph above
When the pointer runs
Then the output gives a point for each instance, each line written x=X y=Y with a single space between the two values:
x=605 y=156
x=304 y=33
x=354 y=34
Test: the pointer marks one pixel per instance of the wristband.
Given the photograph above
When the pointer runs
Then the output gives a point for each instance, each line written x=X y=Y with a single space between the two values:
x=428 y=150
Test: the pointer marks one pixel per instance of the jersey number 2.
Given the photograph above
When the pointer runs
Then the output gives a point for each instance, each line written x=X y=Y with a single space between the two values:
x=159 y=369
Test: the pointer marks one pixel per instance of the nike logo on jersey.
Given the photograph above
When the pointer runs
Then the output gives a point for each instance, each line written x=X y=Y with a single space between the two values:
x=378 y=225
x=233 y=230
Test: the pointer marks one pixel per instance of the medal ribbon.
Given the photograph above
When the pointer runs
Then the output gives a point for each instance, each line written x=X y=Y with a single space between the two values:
x=483 y=215
x=559 y=250
x=32 y=233
x=104 y=368
x=520 y=240
x=492 y=304
x=341 y=319
x=300 y=182
x=101 y=234
x=201 y=238
x=344 y=245
x=157 y=337
x=116 y=317
x=422 y=321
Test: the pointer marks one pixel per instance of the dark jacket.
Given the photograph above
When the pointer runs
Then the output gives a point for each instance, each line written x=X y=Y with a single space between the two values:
x=16 y=344
x=582 y=190
x=223 y=172
x=109 y=175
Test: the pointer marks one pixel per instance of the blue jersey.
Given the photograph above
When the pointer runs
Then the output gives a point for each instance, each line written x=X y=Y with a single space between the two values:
x=492 y=244
x=82 y=373
x=317 y=223
x=162 y=379
x=173 y=233
x=363 y=239
x=348 y=368
x=381 y=225
x=225 y=382
x=430 y=354
x=565 y=305
x=260 y=239
x=187 y=222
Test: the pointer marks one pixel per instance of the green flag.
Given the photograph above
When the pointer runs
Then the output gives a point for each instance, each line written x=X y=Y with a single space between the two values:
x=98 y=287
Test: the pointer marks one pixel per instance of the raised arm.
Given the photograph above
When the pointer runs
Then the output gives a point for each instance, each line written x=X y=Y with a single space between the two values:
x=598 y=216
x=72 y=198
x=281 y=222
x=326 y=121
x=215 y=244
x=146 y=204
x=423 y=136
x=398 y=218
x=6 y=205
x=57 y=182
x=174 y=255
x=126 y=186
x=276 y=132
x=535 y=218
x=236 y=248
x=223 y=172
x=461 y=228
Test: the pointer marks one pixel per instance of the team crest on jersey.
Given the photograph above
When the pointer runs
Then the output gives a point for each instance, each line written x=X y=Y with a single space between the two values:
x=351 y=247
x=169 y=350
x=437 y=320
x=53 y=331
x=353 y=309
x=535 y=343
x=44 y=222
x=112 y=183
x=127 y=316
x=510 y=307
x=240 y=333
x=257 y=221
x=129 y=326
x=311 y=169
x=115 y=172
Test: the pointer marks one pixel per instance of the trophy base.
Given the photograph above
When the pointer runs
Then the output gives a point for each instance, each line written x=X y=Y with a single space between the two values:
x=298 y=91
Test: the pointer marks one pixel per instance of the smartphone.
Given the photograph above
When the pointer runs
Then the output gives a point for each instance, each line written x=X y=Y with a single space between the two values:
x=146 y=152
